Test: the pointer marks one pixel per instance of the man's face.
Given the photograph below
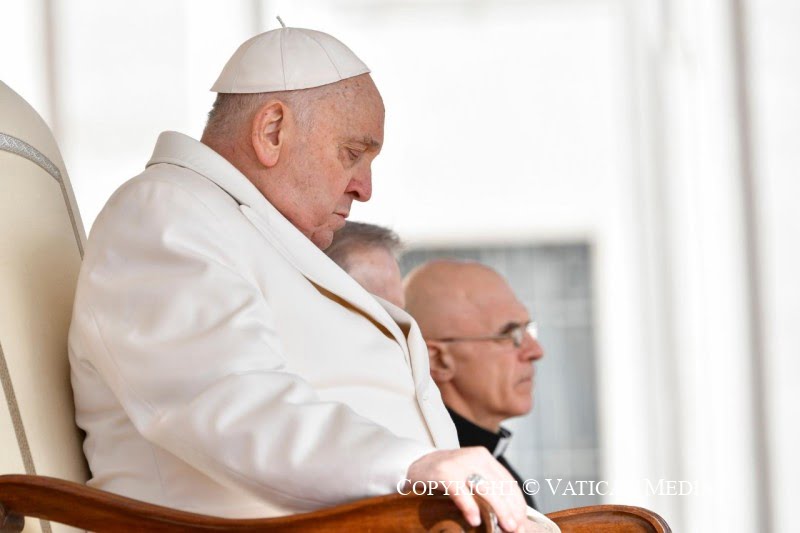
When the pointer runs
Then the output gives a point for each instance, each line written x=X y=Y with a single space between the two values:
x=494 y=378
x=375 y=268
x=329 y=164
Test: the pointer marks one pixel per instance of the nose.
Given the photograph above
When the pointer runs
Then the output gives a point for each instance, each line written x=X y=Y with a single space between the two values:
x=531 y=350
x=361 y=186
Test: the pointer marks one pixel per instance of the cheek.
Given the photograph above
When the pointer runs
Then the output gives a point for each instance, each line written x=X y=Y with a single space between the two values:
x=511 y=377
x=330 y=183
x=521 y=396
x=322 y=192
x=490 y=378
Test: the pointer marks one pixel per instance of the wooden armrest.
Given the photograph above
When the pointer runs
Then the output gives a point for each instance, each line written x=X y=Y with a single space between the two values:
x=609 y=519
x=84 y=507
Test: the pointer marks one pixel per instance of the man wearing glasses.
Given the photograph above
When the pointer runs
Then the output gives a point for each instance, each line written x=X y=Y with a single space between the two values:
x=482 y=346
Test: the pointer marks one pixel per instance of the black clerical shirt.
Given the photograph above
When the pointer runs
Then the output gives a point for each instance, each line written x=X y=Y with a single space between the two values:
x=470 y=434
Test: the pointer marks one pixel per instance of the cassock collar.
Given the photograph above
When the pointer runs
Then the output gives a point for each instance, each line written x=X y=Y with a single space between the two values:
x=470 y=434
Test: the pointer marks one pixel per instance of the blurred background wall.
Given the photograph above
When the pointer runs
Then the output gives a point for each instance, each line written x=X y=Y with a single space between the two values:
x=651 y=146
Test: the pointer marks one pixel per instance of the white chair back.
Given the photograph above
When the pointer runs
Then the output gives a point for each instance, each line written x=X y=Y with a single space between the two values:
x=41 y=244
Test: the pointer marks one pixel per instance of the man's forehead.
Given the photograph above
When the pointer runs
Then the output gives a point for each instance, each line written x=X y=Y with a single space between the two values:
x=367 y=140
x=448 y=296
x=486 y=296
x=497 y=303
x=482 y=282
x=365 y=253
x=361 y=120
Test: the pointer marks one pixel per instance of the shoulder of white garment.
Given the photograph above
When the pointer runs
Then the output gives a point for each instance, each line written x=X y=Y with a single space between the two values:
x=171 y=413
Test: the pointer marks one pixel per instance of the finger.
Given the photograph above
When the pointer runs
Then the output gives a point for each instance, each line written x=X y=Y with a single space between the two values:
x=503 y=511
x=499 y=503
x=469 y=508
x=512 y=493
x=517 y=503
x=500 y=491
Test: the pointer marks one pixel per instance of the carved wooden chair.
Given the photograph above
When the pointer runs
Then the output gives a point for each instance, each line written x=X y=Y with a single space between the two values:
x=41 y=244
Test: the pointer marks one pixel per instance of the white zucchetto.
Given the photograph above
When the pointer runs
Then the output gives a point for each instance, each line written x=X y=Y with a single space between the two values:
x=287 y=59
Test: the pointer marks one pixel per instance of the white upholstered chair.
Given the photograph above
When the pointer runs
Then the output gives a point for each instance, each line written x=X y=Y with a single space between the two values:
x=41 y=243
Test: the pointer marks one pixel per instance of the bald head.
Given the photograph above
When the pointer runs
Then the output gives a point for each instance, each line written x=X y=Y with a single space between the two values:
x=466 y=312
x=442 y=295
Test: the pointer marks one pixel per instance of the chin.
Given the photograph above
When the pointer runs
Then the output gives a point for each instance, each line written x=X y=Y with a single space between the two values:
x=322 y=239
x=523 y=407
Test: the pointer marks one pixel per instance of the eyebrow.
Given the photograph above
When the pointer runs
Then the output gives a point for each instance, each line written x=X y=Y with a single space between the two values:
x=509 y=326
x=369 y=141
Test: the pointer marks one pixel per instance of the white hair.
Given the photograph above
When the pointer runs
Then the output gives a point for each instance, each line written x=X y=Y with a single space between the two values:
x=231 y=112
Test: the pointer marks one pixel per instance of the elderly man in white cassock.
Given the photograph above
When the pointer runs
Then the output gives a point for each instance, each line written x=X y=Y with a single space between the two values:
x=221 y=363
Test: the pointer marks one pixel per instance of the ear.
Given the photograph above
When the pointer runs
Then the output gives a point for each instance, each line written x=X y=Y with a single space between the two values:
x=442 y=362
x=269 y=131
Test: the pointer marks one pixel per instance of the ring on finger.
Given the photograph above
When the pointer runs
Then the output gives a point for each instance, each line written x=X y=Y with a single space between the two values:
x=474 y=479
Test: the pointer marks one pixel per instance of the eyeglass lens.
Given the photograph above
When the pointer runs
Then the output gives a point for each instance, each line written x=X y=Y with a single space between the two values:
x=518 y=333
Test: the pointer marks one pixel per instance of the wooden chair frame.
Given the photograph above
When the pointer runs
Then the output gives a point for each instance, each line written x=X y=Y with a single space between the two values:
x=80 y=506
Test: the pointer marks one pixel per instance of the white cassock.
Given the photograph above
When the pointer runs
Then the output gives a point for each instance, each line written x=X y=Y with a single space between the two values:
x=223 y=364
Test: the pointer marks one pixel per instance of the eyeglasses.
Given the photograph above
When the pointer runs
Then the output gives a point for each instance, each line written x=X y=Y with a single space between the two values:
x=514 y=332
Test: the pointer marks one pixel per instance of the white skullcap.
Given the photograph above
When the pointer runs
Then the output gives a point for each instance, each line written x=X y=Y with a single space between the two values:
x=287 y=59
